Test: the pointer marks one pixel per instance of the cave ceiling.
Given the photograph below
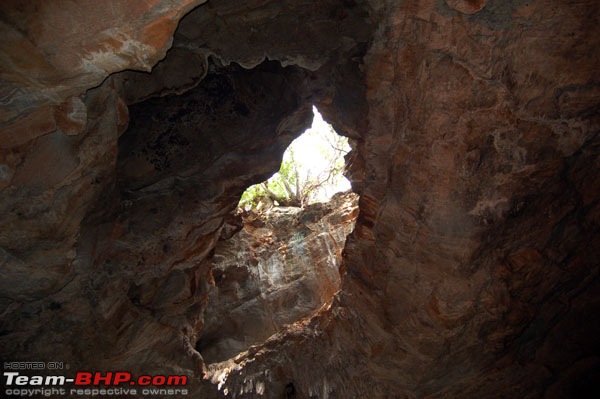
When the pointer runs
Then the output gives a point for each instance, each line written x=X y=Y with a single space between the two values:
x=129 y=130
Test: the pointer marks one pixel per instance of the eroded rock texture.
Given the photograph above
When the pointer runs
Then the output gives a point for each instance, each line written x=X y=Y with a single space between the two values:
x=473 y=267
x=52 y=52
x=280 y=268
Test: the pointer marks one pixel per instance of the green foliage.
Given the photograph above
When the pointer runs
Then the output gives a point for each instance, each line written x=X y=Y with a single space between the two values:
x=251 y=197
x=311 y=170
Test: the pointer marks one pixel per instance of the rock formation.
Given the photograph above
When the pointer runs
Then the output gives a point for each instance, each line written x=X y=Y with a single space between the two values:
x=472 y=270
x=280 y=268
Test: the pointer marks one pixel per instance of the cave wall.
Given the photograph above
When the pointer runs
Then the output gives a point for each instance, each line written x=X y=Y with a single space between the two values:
x=472 y=270
x=485 y=231
x=52 y=52
x=281 y=267
x=87 y=275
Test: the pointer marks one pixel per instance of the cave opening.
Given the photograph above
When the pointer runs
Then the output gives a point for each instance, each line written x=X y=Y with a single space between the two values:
x=473 y=268
x=282 y=266
x=186 y=158
x=311 y=171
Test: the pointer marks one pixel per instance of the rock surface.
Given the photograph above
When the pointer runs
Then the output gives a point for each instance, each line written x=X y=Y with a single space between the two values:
x=280 y=268
x=473 y=267
x=53 y=51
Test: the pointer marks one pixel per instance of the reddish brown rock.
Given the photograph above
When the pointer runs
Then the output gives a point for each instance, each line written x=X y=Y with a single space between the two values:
x=27 y=128
x=55 y=50
x=71 y=116
x=453 y=279
x=280 y=268
x=467 y=6
x=472 y=271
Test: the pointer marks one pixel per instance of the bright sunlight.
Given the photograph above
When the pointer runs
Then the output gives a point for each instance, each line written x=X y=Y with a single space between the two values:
x=311 y=171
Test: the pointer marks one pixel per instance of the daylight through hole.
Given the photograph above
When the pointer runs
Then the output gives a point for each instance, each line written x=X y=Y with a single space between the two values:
x=283 y=264
x=311 y=171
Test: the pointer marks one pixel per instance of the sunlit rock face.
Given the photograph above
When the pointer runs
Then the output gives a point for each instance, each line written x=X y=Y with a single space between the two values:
x=278 y=269
x=473 y=267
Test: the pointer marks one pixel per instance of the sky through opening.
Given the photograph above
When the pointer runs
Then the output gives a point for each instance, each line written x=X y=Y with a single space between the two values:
x=318 y=158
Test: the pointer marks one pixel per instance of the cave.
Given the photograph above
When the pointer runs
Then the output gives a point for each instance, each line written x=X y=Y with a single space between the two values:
x=129 y=131
x=278 y=258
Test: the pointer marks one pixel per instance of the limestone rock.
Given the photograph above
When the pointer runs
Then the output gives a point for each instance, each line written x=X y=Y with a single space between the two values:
x=51 y=51
x=472 y=270
x=467 y=6
x=280 y=268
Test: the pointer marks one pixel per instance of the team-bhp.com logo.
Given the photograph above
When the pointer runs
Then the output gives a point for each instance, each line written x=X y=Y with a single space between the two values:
x=85 y=383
